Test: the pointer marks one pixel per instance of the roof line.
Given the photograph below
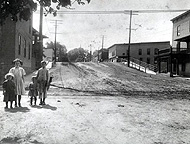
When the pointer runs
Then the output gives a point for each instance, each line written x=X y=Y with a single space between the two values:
x=140 y=43
x=185 y=13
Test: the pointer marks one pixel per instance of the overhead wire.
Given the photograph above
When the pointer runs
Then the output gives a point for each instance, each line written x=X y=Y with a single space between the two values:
x=120 y=12
x=135 y=12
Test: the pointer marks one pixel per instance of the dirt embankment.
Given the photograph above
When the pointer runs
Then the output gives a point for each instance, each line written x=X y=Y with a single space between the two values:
x=116 y=79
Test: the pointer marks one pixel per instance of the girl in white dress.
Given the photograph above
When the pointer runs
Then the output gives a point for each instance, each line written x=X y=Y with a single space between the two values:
x=18 y=73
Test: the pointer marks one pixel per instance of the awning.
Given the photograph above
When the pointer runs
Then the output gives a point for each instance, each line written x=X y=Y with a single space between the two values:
x=36 y=33
x=183 y=39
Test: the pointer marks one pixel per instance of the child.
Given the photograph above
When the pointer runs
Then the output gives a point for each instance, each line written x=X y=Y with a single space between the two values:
x=9 y=90
x=50 y=80
x=43 y=79
x=19 y=74
x=33 y=92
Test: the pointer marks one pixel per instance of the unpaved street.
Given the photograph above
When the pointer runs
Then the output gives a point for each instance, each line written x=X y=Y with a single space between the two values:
x=153 y=110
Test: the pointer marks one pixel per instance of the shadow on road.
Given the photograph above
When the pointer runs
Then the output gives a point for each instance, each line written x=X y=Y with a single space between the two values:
x=47 y=106
x=16 y=140
x=18 y=109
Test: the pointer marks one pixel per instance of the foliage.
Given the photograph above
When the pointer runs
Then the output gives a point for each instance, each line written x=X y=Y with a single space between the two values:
x=16 y=9
x=78 y=55
x=61 y=50
x=22 y=9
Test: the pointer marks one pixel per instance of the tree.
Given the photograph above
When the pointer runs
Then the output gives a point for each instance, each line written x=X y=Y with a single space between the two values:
x=78 y=55
x=22 y=9
x=61 y=51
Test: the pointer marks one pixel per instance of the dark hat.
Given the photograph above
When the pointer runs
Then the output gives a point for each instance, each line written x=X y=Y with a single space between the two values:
x=17 y=59
x=9 y=74
x=43 y=62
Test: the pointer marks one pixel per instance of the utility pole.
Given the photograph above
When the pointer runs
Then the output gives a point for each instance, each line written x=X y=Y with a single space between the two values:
x=129 y=45
x=98 y=54
x=90 y=52
x=55 y=42
x=102 y=42
x=102 y=47
x=55 y=49
x=40 y=35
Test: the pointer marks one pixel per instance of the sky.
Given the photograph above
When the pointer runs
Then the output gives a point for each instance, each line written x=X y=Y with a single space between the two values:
x=92 y=31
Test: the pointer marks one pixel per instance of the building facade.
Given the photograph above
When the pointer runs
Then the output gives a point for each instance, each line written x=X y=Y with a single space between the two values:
x=177 y=58
x=101 y=56
x=181 y=44
x=145 y=52
x=15 y=42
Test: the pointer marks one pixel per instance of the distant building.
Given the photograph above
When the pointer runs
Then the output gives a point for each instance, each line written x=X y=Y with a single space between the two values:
x=178 y=56
x=48 y=54
x=101 y=56
x=145 y=51
x=117 y=52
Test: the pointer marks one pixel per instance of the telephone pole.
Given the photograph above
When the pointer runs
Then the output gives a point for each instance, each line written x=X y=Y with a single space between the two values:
x=102 y=47
x=90 y=52
x=102 y=42
x=40 y=37
x=55 y=49
x=55 y=41
x=129 y=44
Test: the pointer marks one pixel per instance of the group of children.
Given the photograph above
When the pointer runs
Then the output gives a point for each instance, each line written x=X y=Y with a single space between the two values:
x=37 y=87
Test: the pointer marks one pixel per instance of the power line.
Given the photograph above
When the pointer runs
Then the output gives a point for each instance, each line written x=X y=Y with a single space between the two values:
x=135 y=12
x=120 y=12
x=90 y=12
x=159 y=11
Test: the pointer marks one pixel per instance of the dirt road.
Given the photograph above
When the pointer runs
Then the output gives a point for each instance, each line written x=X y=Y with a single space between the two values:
x=102 y=104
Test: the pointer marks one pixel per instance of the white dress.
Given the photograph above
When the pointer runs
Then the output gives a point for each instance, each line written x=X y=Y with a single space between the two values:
x=18 y=73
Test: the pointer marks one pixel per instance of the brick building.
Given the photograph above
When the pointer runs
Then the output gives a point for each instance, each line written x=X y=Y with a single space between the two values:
x=145 y=51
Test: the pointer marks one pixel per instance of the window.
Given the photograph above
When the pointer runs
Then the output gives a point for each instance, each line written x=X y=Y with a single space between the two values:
x=29 y=51
x=113 y=53
x=141 y=59
x=123 y=54
x=140 y=51
x=148 y=60
x=19 y=44
x=156 y=51
x=178 y=30
x=30 y=27
x=155 y=60
x=24 y=48
x=148 y=51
